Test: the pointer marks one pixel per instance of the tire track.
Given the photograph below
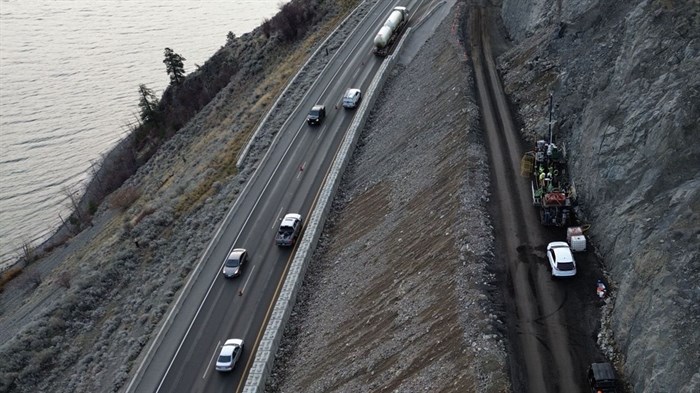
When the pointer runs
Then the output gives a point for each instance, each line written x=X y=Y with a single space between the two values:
x=540 y=359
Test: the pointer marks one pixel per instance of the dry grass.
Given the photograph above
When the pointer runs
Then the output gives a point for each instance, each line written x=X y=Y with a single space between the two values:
x=102 y=294
x=140 y=216
x=224 y=164
x=31 y=279
x=63 y=279
x=8 y=275
x=287 y=68
x=191 y=199
x=124 y=197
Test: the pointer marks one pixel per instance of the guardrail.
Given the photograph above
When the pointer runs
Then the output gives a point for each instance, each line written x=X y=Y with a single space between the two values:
x=175 y=309
x=244 y=153
x=265 y=354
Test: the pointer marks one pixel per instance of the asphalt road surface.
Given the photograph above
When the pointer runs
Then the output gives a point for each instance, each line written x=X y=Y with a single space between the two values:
x=551 y=324
x=287 y=181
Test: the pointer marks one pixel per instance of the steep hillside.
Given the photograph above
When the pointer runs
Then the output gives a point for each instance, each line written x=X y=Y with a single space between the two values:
x=78 y=318
x=627 y=93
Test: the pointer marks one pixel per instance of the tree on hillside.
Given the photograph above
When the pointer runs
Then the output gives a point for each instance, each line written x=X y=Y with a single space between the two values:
x=174 y=66
x=148 y=102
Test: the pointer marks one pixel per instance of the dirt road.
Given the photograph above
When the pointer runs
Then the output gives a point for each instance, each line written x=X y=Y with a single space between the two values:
x=549 y=346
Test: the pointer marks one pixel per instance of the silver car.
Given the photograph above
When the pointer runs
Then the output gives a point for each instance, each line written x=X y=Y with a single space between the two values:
x=229 y=355
x=234 y=263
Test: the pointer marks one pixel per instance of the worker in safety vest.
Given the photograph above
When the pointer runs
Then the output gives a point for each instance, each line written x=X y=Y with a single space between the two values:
x=550 y=174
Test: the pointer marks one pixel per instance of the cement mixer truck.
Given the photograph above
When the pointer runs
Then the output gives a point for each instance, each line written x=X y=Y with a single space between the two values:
x=391 y=29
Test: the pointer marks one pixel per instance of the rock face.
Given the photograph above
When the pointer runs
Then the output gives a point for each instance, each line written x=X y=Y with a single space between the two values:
x=627 y=94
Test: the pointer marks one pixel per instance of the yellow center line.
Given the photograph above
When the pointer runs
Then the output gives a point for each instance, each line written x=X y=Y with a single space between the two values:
x=284 y=275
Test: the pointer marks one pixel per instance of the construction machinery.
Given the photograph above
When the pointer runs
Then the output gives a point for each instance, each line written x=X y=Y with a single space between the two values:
x=552 y=191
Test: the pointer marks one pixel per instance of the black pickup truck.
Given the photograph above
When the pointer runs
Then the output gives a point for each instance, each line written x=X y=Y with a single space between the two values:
x=290 y=228
x=601 y=377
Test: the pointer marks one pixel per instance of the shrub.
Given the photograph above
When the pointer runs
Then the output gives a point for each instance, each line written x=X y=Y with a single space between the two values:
x=124 y=197
x=92 y=208
x=292 y=21
x=7 y=380
x=63 y=279
x=32 y=279
x=45 y=357
x=266 y=27
x=29 y=252
x=57 y=323
x=8 y=275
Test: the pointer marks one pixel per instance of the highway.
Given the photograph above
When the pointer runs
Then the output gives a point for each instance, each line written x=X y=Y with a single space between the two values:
x=287 y=180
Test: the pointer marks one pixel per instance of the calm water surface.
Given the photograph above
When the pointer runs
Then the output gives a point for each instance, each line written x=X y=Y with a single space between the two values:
x=69 y=74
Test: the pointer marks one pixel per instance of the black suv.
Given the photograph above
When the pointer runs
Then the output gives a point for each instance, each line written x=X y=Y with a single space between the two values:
x=601 y=377
x=316 y=115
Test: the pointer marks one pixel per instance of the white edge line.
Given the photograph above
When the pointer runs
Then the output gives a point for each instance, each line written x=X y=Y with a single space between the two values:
x=199 y=309
x=226 y=219
x=176 y=307
x=206 y=371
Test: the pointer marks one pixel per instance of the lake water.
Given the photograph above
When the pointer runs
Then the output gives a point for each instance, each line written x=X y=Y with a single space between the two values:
x=69 y=74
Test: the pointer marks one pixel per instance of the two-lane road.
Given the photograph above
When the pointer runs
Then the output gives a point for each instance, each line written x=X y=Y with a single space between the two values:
x=287 y=180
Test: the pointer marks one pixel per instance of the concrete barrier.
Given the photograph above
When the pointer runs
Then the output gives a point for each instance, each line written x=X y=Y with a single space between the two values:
x=267 y=349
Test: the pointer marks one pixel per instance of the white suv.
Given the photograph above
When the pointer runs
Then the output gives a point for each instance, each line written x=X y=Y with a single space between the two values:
x=561 y=261
x=352 y=98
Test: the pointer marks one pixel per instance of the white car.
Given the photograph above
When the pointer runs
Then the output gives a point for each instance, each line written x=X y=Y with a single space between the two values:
x=352 y=98
x=229 y=354
x=561 y=261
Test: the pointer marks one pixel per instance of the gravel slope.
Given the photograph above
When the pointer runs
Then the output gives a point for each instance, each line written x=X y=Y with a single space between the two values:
x=397 y=295
x=419 y=297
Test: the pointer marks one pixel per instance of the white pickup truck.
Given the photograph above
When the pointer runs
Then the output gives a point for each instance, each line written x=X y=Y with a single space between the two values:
x=290 y=228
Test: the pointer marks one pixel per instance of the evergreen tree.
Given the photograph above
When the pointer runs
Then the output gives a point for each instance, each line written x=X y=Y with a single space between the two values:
x=174 y=66
x=148 y=102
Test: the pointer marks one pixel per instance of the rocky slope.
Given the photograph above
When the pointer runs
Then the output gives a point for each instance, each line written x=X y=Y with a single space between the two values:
x=627 y=92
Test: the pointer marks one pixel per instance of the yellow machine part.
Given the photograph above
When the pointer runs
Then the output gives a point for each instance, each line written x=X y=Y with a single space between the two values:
x=527 y=163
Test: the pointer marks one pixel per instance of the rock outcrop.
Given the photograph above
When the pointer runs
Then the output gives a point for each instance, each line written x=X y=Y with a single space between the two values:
x=627 y=94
